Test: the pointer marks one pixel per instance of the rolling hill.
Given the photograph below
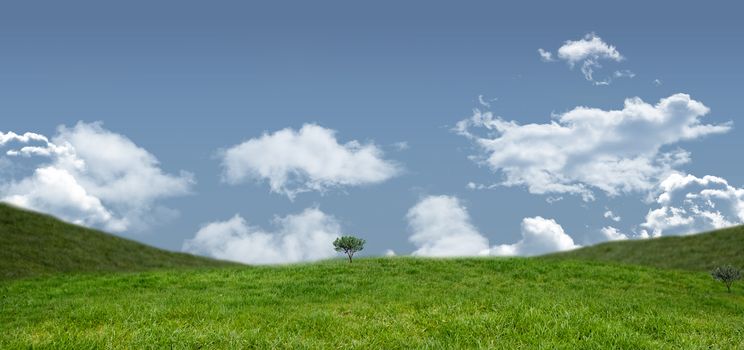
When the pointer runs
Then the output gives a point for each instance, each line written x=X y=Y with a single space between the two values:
x=699 y=252
x=36 y=244
x=165 y=300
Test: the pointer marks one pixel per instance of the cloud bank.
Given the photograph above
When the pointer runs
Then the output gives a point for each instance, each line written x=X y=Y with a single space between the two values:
x=91 y=176
x=307 y=236
x=615 y=151
x=310 y=159
x=689 y=204
x=613 y=234
x=441 y=227
x=539 y=236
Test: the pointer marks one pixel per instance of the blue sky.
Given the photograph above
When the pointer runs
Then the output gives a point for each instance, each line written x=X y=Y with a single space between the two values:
x=185 y=82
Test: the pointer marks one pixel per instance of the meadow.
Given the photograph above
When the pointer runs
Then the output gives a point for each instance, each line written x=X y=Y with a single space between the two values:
x=554 y=302
x=377 y=303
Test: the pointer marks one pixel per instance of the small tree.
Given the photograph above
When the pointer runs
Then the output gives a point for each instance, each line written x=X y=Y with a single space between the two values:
x=348 y=245
x=726 y=274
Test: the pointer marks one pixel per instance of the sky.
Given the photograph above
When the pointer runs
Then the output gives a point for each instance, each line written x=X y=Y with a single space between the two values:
x=261 y=131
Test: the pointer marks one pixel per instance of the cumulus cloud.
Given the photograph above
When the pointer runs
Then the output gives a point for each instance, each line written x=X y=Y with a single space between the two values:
x=307 y=236
x=615 y=151
x=539 y=236
x=589 y=47
x=310 y=159
x=588 y=52
x=441 y=227
x=117 y=170
x=612 y=234
x=689 y=204
x=93 y=177
x=25 y=138
x=53 y=190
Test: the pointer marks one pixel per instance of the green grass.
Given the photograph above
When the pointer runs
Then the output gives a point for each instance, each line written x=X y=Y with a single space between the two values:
x=64 y=286
x=33 y=244
x=378 y=303
x=700 y=252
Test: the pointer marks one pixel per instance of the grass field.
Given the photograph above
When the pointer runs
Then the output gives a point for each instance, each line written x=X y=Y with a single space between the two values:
x=378 y=303
x=68 y=287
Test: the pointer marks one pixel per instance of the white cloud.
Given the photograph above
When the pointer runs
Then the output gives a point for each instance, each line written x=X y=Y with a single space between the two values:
x=688 y=204
x=546 y=56
x=616 y=151
x=612 y=234
x=588 y=52
x=307 y=236
x=310 y=159
x=589 y=47
x=25 y=138
x=610 y=215
x=93 y=177
x=539 y=236
x=117 y=170
x=657 y=82
x=390 y=252
x=441 y=227
x=53 y=190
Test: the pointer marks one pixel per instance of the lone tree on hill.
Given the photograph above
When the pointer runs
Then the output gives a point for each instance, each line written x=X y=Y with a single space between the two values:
x=348 y=245
x=726 y=274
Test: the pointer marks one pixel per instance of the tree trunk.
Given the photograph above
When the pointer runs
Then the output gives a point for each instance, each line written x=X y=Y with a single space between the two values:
x=349 y=257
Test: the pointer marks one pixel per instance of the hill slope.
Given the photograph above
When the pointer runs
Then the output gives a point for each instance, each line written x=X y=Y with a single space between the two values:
x=700 y=252
x=383 y=303
x=35 y=244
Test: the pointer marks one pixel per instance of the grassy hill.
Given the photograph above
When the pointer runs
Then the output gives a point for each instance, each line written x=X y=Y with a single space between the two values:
x=386 y=303
x=36 y=244
x=700 y=252
x=142 y=297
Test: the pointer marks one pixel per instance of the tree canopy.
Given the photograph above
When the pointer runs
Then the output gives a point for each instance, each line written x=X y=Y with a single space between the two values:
x=348 y=245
